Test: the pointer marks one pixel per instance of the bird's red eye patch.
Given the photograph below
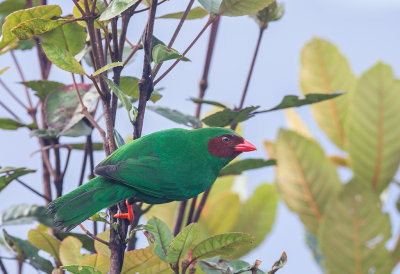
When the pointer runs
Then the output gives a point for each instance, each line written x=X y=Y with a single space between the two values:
x=224 y=146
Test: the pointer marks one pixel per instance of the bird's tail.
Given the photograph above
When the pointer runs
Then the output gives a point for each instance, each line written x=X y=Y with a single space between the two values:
x=78 y=205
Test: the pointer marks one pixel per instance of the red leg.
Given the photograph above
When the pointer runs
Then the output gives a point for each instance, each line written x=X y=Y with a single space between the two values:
x=129 y=215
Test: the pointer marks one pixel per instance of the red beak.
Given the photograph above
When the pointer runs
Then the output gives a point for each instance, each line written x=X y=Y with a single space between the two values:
x=245 y=146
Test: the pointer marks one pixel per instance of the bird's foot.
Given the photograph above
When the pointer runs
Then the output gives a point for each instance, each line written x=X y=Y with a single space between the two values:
x=129 y=215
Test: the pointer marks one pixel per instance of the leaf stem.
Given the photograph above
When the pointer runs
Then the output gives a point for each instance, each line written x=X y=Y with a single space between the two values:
x=12 y=94
x=10 y=111
x=21 y=74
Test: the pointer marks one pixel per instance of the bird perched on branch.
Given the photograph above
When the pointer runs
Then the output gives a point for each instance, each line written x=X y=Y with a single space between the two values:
x=165 y=166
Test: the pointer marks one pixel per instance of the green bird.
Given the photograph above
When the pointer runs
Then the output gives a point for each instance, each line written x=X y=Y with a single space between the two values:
x=165 y=166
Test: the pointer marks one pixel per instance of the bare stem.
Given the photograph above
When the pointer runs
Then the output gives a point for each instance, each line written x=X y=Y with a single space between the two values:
x=94 y=237
x=21 y=74
x=2 y=267
x=12 y=94
x=176 y=32
x=33 y=190
x=10 y=111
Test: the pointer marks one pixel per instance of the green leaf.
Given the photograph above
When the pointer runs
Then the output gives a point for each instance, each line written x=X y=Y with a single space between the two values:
x=121 y=96
x=25 y=214
x=81 y=146
x=37 y=26
x=64 y=98
x=325 y=70
x=242 y=7
x=10 y=124
x=9 y=6
x=108 y=66
x=373 y=134
x=196 y=13
x=26 y=251
x=100 y=247
x=238 y=167
x=118 y=138
x=217 y=265
x=213 y=103
x=12 y=20
x=130 y=86
x=290 y=101
x=11 y=173
x=63 y=59
x=354 y=232
x=42 y=87
x=24 y=45
x=115 y=8
x=81 y=269
x=100 y=217
x=212 y=6
x=306 y=178
x=72 y=127
x=272 y=12
x=70 y=37
x=229 y=117
x=163 y=238
x=44 y=241
x=70 y=251
x=177 y=116
x=257 y=216
x=99 y=261
x=45 y=133
x=182 y=243
x=160 y=54
x=87 y=242
x=222 y=244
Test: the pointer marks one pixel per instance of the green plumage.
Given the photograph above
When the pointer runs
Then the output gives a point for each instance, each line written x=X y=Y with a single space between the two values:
x=165 y=166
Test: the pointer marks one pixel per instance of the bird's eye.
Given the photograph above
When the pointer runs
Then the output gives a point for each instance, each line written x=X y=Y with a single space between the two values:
x=225 y=139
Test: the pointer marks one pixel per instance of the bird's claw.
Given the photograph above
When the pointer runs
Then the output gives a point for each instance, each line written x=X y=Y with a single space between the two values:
x=129 y=215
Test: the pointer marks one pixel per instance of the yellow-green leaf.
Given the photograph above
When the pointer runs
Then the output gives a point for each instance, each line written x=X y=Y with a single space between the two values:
x=70 y=251
x=12 y=20
x=62 y=58
x=33 y=27
x=143 y=261
x=325 y=70
x=99 y=8
x=296 y=123
x=222 y=244
x=354 y=232
x=182 y=243
x=242 y=7
x=107 y=67
x=115 y=8
x=99 y=261
x=44 y=241
x=257 y=216
x=195 y=13
x=306 y=178
x=373 y=131
x=102 y=248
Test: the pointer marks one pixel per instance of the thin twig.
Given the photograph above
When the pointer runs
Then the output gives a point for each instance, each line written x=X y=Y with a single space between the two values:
x=201 y=205
x=33 y=190
x=133 y=51
x=21 y=74
x=142 y=10
x=79 y=7
x=10 y=111
x=176 y=32
x=12 y=94
x=179 y=217
x=94 y=237
x=2 y=267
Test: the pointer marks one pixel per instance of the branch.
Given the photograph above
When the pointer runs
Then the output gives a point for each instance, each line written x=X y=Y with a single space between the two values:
x=209 y=22
x=33 y=190
x=177 y=30
x=142 y=10
x=134 y=50
x=146 y=83
x=179 y=217
x=253 y=61
x=201 y=205
x=94 y=237
x=2 y=267
x=12 y=94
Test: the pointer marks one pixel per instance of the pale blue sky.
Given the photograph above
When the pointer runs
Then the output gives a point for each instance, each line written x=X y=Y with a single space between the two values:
x=365 y=32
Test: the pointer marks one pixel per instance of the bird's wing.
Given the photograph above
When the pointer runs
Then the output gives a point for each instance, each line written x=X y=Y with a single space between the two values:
x=142 y=173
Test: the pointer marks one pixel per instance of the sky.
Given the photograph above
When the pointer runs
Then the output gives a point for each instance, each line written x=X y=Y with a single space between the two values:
x=365 y=32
